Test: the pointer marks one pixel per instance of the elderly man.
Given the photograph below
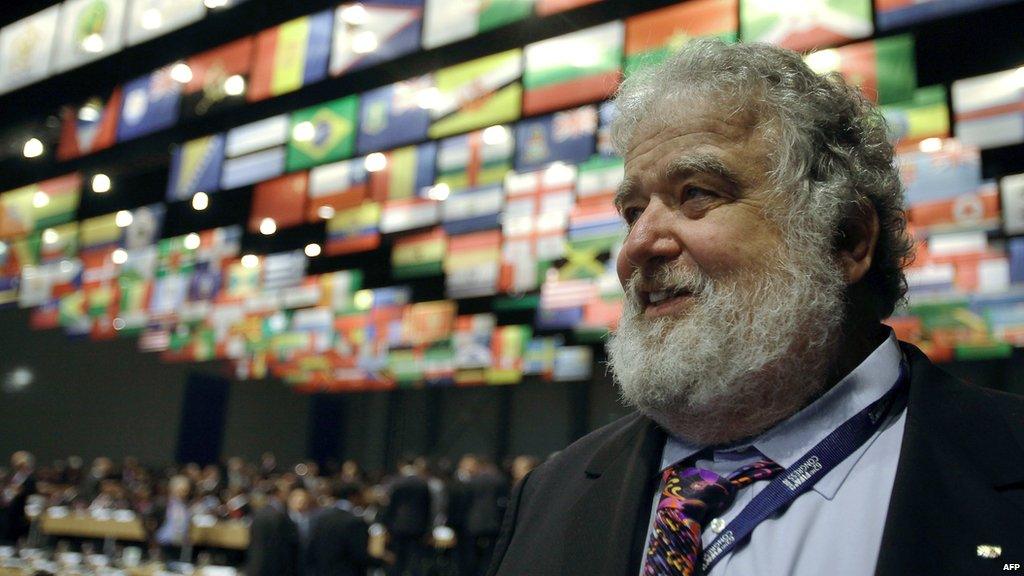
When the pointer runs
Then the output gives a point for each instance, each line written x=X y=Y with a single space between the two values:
x=781 y=428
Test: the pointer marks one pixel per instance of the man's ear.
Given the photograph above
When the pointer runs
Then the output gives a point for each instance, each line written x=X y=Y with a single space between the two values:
x=857 y=240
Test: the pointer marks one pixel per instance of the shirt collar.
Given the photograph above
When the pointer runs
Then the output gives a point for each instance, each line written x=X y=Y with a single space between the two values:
x=787 y=441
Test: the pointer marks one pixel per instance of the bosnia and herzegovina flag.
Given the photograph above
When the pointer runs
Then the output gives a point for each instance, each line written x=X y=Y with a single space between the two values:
x=884 y=69
x=322 y=133
x=394 y=25
x=391 y=116
x=408 y=172
x=572 y=69
x=476 y=94
x=196 y=167
x=652 y=36
x=292 y=55
x=89 y=126
x=924 y=116
x=470 y=160
x=354 y=230
x=805 y=25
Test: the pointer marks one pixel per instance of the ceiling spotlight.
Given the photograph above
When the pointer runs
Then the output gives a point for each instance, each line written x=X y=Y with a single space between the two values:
x=33 y=148
x=930 y=145
x=192 y=241
x=40 y=199
x=495 y=135
x=181 y=73
x=93 y=43
x=376 y=162
x=312 y=250
x=429 y=98
x=234 y=85
x=119 y=323
x=214 y=4
x=101 y=183
x=304 y=132
x=123 y=219
x=364 y=42
x=89 y=113
x=268 y=226
x=50 y=236
x=250 y=261
x=325 y=212
x=439 y=192
x=152 y=19
x=355 y=14
x=200 y=201
x=119 y=256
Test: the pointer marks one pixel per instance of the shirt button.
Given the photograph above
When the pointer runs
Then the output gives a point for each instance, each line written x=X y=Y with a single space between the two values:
x=717 y=525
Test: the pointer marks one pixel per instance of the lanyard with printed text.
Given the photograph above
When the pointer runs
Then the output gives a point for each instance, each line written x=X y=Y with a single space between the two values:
x=801 y=476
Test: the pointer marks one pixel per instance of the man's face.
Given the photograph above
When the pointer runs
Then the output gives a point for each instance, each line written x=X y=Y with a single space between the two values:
x=726 y=318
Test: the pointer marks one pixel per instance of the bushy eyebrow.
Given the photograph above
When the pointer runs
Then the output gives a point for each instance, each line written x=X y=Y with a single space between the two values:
x=679 y=169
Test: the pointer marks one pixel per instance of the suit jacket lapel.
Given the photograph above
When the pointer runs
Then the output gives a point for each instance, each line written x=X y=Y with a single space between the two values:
x=958 y=482
x=613 y=508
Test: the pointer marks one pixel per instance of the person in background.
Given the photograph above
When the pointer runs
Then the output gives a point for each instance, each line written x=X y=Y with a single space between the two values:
x=407 y=519
x=488 y=498
x=274 y=538
x=339 y=540
x=174 y=519
x=14 y=494
x=300 y=511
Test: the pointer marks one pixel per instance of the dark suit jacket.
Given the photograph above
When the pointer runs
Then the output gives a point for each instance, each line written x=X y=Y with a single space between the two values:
x=408 y=511
x=959 y=483
x=488 y=498
x=273 y=544
x=338 y=544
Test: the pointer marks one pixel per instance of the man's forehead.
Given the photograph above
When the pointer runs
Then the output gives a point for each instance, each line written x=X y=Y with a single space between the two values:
x=683 y=118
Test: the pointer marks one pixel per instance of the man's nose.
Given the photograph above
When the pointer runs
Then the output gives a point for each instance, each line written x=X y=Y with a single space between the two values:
x=652 y=237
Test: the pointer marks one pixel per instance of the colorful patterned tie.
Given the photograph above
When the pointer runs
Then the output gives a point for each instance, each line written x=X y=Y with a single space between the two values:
x=691 y=497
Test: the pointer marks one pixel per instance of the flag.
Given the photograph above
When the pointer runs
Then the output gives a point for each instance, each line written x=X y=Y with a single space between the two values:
x=507 y=348
x=253 y=168
x=989 y=110
x=428 y=322
x=393 y=115
x=470 y=160
x=151 y=18
x=89 y=127
x=472 y=342
x=283 y=270
x=26 y=49
x=599 y=178
x=567 y=136
x=534 y=223
x=472 y=264
x=195 y=167
x=282 y=199
x=354 y=229
x=220 y=78
x=473 y=210
x=924 y=116
x=805 y=25
x=260 y=135
x=338 y=289
x=408 y=172
x=539 y=356
x=884 y=69
x=547 y=7
x=419 y=255
x=338 y=186
x=576 y=68
x=652 y=36
x=573 y=364
x=446 y=22
x=322 y=133
x=393 y=25
x=890 y=14
x=606 y=114
x=950 y=171
x=476 y=94
x=19 y=215
x=89 y=30
x=595 y=226
x=290 y=56
x=1011 y=192
x=150 y=104
x=409 y=214
x=974 y=210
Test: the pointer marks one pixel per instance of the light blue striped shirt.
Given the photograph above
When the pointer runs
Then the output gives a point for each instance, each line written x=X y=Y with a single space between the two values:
x=835 y=528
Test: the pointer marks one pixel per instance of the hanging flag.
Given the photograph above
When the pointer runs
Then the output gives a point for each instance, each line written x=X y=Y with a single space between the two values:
x=282 y=199
x=472 y=160
x=254 y=152
x=805 y=25
x=884 y=69
x=473 y=210
x=539 y=356
x=195 y=167
x=419 y=255
x=606 y=114
x=150 y=104
x=373 y=31
x=394 y=115
x=547 y=7
x=950 y=171
x=409 y=214
x=220 y=78
x=446 y=22
x=576 y=68
x=338 y=289
x=573 y=364
x=61 y=243
x=595 y=226
x=89 y=127
x=507 y=348
x=652 y=36
x=26 y=49
x=599 y=178
x=290 y=56
x=19 y=214
x=283 y=270
x=890 y=14
x=260 y=135
x=253 y=168
x=925 y=116
x=428 y=322
x=89 y=30
x=407 y=173
x=334 y=187
x=322 y=133
x=151 y=18
x=471 y=343
x=354 y=230
x=989 y=110
x=473 y=264
x=476 y=94
x=974 y=210
x=567 y=136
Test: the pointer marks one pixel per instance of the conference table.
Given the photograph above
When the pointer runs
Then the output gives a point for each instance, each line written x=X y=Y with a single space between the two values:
x=229 y=534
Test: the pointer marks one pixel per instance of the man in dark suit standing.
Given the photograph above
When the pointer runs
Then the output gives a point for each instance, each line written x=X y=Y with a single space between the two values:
x=780 y=427
x=488 y=498
x=14 y=493
x=339 y=541
x=274 y=540
x=407 y=519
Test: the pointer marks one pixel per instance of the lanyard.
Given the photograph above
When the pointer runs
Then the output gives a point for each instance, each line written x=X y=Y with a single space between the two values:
x=802 y=475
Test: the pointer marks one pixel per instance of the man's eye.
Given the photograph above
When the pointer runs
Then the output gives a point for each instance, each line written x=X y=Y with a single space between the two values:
x=696 y=192
x=631 y=214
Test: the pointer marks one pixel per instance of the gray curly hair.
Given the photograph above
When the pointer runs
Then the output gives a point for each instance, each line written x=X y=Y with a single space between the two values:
x=828 y=143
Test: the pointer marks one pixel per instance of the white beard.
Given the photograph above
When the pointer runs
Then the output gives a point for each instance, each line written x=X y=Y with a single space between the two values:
x=748 y=351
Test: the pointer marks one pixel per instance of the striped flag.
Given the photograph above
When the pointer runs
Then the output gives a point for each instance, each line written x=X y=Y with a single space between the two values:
x=507 y=348
x=805 y=25
x=338 y=186
x=534 y=224
x=652 y=36
x=546 y=7
x=354 y=229
x=409 y=214
x=925 y=116
x=989 y=110
x=473 y=210
x=419 y=255
x=576 y=68
x=469 y=161
x=338 y=289
x=884 y=69
x=283 y=270
x=472 y=264
x=408 y=173
x=292 y=55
